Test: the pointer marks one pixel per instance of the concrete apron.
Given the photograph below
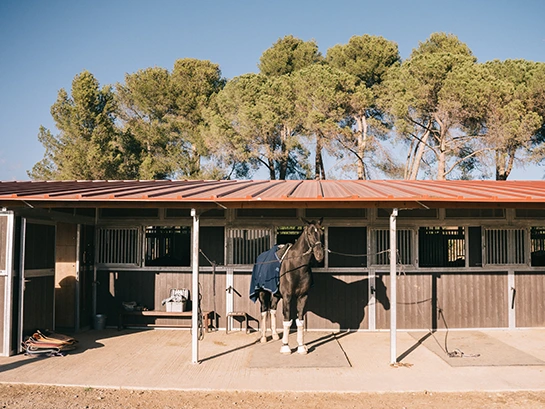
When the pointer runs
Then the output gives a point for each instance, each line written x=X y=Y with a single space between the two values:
x=345 y=362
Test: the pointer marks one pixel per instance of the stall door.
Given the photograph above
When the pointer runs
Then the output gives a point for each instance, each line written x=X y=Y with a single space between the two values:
x=38 y=277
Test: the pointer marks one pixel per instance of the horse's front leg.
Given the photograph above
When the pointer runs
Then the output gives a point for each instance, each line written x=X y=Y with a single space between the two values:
x=300 y=321
x=286 y=301
x=274 y=305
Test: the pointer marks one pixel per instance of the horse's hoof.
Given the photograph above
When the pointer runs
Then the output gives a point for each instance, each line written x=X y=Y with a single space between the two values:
x=275 y=337
x=285 y=349
x=302 y=349
x=263 y=340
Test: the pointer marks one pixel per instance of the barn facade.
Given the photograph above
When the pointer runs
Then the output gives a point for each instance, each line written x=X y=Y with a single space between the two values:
x=469 y=254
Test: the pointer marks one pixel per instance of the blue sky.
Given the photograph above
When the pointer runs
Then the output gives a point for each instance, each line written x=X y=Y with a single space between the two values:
x=45 y=44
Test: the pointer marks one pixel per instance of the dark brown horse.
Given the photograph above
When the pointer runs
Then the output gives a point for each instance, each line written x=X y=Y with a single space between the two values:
x=294 y=283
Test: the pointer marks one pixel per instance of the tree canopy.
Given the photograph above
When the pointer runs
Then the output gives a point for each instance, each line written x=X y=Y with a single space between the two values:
x=360 y=110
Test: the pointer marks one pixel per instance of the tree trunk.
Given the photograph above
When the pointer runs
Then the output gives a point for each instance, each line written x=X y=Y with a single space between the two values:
x=504 y=163
x=319 y=171
x=283 y=161
x=272 y=174
x=417 y=159
x=362 y=142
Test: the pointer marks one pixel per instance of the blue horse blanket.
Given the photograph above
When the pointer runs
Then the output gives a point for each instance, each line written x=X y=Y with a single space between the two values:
x=266 y=273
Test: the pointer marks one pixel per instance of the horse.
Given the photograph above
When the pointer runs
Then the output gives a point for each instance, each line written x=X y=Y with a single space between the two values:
x=295 y=280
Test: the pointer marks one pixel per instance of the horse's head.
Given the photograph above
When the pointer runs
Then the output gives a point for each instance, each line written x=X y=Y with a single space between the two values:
x=314 y=233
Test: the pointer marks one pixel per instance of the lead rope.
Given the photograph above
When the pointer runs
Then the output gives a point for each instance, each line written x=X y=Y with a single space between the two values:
x=213 y=264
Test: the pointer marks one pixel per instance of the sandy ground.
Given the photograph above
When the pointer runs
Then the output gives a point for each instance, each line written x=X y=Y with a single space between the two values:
x=38 y=397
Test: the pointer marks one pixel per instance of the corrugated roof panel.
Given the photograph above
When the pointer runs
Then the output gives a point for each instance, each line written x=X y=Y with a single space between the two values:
x=280 y=190
x=232 y=191
x=334 y=190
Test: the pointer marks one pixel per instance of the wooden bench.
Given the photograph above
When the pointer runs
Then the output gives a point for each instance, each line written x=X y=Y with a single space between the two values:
x=207 y=318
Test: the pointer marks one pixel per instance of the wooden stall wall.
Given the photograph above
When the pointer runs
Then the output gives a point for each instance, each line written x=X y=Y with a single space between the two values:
x=39 y=262
x=339 y=301
x=65 y=276
x=449 y=300
x=530 y=299
x=415 y=303
x=242 y=302
x=473 y=300
x=38 y=304
x=149 y=288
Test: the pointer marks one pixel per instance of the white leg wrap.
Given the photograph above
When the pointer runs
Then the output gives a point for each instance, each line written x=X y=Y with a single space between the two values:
x=301 y=348
x=264 y=326
x=300 y=325
x=285 y=349
x=273 y=325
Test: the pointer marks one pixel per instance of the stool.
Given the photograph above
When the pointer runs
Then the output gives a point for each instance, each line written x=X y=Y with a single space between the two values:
x=238 y=314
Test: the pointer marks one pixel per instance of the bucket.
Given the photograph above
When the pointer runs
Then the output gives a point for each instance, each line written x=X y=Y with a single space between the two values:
x=100 y=321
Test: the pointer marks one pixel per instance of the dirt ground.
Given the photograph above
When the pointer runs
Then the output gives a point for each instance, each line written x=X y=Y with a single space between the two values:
x=53 y=397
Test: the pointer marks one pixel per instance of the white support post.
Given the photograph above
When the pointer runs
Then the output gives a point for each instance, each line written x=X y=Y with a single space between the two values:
x=195 y=288
x=393 y=287
x=8 y=290
x=511 y=299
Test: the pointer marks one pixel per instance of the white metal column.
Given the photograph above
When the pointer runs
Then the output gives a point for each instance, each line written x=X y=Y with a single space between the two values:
x=229 y=295
x=393 y=287
x=511 y=293
x=8 y=293
x=195 y=288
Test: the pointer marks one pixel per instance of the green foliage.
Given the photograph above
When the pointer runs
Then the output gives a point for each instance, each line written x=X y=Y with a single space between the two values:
x=255 y=123
x=419 y=95
x=88 y=145
x=368 y=59
x=163 y=114
x=456 y=117
x=287 y=55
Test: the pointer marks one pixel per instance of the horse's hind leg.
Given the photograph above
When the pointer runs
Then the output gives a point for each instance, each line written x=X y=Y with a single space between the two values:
x=274 y=305
x=264 y=300
x=300 y=321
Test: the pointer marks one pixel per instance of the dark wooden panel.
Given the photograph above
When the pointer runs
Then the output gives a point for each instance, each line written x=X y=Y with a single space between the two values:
x=39 y=246
x=213 y=300
x=38 y=304
x=339 y=302
x=430 y=301
x=242 y=302
x=529 y=299
x=415 y=303
x=473 y=300
x=149 y=289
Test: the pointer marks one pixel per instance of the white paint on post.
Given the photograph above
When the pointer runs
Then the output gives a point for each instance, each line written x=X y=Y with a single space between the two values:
x=393 y=287
x=511 y=298
x=195 y=288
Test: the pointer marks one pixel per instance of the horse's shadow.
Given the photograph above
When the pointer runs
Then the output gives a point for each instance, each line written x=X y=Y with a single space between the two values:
x=344 y=303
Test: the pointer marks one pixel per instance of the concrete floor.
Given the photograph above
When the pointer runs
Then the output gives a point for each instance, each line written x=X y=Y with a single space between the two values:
x=347 y=362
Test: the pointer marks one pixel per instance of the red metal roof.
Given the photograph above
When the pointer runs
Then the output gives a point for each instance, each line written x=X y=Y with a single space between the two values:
x=263 y=193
